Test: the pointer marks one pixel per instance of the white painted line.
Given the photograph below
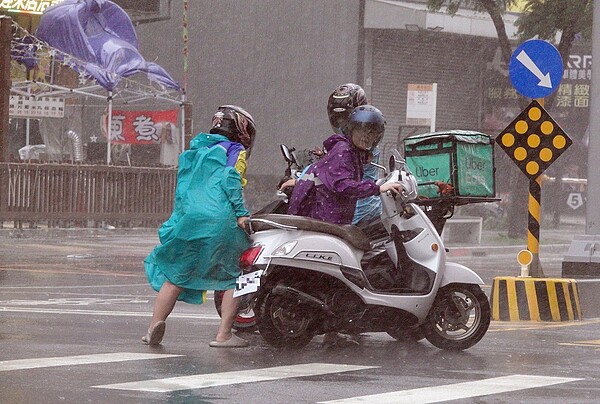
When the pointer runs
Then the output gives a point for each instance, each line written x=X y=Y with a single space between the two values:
x=458 y=391
x=20 y=364
x=105 y=313
x=75 y=286
x=228 y=378
x=72 y=301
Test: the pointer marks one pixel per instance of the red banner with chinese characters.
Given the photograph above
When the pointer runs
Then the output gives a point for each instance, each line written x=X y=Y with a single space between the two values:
x=141 y=127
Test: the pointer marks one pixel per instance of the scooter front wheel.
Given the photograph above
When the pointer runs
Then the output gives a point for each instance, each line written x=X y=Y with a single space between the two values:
x=282 y=322
x=459 y=317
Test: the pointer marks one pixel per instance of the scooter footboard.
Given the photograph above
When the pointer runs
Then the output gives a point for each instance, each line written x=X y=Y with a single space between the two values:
x=457 y=273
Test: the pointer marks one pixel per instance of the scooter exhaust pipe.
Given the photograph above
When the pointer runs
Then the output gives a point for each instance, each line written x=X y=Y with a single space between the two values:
x=303 y=297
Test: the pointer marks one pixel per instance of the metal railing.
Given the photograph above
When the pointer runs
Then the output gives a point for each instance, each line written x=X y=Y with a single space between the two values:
x=86 y=194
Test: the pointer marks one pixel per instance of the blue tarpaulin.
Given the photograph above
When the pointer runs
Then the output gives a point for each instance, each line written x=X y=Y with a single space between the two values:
x=101 y=35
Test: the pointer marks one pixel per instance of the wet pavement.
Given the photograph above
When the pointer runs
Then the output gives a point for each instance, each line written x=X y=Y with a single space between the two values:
x=75 y=302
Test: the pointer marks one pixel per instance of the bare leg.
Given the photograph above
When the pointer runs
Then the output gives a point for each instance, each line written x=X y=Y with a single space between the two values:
x=165 y=302
x=229 y=308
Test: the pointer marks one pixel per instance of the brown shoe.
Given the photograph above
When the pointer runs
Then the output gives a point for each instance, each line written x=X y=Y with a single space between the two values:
x=233 y=342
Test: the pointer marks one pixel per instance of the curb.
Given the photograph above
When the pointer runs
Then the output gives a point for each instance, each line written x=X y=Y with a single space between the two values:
x=490 y=250
x=44 y=233
x=535 y=299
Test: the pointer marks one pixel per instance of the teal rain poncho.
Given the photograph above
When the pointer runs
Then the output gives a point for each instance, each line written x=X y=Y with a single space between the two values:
x=201 y=243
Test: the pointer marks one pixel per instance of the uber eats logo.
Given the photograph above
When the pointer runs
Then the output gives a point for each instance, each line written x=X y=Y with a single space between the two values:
x=533 y=140
x=426 y=172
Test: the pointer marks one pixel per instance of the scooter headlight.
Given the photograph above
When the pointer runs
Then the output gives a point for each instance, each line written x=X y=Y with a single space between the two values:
x=285 y=249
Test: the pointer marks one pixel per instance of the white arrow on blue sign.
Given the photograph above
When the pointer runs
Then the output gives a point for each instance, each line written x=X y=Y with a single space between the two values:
x=535 y=68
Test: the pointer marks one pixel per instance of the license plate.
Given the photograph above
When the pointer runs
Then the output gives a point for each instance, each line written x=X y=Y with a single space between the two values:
x=247 y=283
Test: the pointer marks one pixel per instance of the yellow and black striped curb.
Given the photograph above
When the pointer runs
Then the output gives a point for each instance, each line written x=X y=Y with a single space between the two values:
x=535 y=299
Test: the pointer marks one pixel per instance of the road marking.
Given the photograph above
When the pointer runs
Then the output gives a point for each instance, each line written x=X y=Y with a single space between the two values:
x=20 y=364
x=75 y=271
x=502 y=326
x=228 y=378
x=458 y=391
x=73 y=301
x=76 y=286
x=595 y=343
x=105 y=313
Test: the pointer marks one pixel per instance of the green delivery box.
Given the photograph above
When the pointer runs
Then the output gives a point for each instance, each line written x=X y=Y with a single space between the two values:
x=462 y=159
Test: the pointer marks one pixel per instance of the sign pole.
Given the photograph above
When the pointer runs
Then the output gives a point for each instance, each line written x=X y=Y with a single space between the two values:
x=533 y=226
x=433 y=107
x=109 y=128
x=5 y=84
x=534 y=220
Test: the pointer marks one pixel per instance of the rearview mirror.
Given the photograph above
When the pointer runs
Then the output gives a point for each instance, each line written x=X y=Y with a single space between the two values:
x=396 y=160
x=287 y=154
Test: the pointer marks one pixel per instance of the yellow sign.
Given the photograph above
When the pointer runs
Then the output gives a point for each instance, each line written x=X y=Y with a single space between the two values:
x=524 y=257
x=27 y=6
x=533 y=140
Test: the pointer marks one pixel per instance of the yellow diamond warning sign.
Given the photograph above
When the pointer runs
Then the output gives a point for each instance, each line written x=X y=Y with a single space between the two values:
x=533 y=140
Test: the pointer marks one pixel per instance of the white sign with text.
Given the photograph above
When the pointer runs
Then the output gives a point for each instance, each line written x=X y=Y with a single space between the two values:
x=421 y=103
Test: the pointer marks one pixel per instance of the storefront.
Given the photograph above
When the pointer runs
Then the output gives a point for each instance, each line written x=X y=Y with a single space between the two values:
x=58 y=103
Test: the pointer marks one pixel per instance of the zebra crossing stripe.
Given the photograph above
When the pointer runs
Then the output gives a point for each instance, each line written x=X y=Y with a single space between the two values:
x=458 y=391
x=228 y=378
x=20 y=364
x=85 y=312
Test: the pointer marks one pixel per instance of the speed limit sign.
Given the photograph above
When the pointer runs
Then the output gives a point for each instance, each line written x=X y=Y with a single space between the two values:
x=575 y=200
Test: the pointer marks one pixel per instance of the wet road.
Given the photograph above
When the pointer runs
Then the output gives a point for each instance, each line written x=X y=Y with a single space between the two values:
x=72 y=311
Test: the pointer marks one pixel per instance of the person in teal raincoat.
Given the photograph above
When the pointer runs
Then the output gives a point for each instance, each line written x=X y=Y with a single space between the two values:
x=200 y=244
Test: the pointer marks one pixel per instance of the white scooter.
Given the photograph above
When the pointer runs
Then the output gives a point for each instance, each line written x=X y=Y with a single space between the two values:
x=312 y=277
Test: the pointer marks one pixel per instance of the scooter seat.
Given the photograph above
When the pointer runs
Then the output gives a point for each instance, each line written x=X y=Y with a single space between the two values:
x=348 y=232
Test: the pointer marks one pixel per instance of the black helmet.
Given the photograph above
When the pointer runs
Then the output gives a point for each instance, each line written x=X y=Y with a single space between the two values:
x=365 y=127
x=235 y=123
x=342 y=101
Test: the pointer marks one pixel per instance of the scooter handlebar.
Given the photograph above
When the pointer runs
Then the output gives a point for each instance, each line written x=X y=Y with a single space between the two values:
x=408 y=182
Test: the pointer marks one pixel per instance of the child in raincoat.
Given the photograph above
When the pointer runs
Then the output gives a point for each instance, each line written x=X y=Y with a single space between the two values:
x=200 y=244
x=330 y=188
x=340 y=104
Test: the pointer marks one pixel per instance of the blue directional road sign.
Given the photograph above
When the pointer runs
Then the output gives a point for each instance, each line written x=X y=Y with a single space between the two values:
x=535 y=68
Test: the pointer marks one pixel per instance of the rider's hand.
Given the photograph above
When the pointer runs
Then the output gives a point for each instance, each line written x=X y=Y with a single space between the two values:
x=395 y=187
x=242 y=221
x=289 y=183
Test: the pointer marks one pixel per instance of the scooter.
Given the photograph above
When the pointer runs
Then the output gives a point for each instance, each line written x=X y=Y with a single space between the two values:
x=310 y=277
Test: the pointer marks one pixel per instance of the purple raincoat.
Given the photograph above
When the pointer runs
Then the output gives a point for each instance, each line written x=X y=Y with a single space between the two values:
x=329 y=190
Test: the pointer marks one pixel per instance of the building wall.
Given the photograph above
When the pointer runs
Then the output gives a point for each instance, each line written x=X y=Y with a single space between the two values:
x=278 y=59
x=455 y=62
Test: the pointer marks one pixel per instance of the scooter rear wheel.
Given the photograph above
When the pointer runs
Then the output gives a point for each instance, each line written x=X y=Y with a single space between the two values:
x=282 y=322
x=245 y=320
x=459 y=317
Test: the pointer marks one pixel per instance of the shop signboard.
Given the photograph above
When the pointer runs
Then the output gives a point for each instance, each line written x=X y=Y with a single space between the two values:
x=141 y=127
x=27 y=6
x=36 y=107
